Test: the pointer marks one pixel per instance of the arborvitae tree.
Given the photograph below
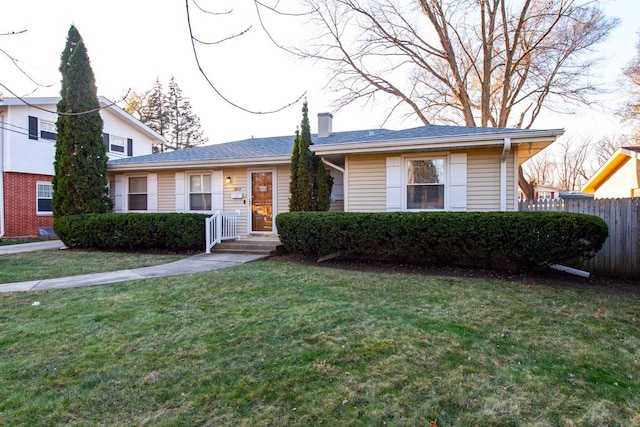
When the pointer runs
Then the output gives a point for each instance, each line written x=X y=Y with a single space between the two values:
x=80 y=180
x=294 y=205
x=324 y=184
x=304 y=174
x=311 y=184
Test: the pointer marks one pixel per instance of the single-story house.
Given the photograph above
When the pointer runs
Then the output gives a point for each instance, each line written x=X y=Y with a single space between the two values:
x=27 y=152
x=618 y=177
x=435 y=168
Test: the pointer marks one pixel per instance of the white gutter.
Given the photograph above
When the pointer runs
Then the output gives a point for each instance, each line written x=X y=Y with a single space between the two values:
x=443 y=142
x=2 y=232
x=503 y=174
x=186 y=164
x=331 y=165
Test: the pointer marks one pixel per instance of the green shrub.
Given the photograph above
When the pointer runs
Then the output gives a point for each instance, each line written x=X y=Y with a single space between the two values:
x=487 y=239
x=171 y=231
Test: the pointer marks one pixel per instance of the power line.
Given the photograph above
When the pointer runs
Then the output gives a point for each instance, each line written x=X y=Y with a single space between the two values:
x=215 y=89
x=37 y=107
x=13 y=130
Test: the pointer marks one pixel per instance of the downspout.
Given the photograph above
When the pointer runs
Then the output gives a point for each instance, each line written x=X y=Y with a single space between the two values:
x=2 y=232
x=503 y=174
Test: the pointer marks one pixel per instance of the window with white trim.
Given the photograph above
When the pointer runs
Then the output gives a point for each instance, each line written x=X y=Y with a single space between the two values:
x=117 y=144
x=200 y=192
x=48 y=130
x=44 y=198
x=137 y=196
x=425 y=185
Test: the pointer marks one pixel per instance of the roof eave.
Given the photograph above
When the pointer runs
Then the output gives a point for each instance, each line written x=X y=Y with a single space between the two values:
x=439 y=143
x=608 y=168
x=199 y=164
x=111 y=106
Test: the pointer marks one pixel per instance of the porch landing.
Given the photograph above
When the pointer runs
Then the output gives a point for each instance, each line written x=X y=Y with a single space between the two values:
x=254 y=244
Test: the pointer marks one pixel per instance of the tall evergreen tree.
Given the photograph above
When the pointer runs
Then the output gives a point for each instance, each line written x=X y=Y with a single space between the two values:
x=310 y=182
x=184 y=125
x=294 y=204
x=80 y=180
x=169 y=113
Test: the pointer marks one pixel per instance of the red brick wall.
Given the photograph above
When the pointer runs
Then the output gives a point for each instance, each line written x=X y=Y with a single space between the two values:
x=20 y=219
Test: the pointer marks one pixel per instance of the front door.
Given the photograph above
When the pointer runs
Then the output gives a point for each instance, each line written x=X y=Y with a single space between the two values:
x=261 y=202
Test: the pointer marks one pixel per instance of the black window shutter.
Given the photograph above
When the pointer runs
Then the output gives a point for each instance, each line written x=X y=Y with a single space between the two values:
x=33 y=127
x=105 y=138
x=129 y=147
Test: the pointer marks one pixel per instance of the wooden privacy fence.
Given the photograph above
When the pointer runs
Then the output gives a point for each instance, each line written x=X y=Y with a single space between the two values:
x=620 y=254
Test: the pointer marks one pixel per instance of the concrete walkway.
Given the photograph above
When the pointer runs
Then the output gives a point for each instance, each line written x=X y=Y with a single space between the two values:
x=194 y=264
x=30 y=247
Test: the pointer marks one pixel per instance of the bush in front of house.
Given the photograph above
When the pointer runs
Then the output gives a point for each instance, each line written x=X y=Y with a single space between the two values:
x=165 y=231
x=485 y=239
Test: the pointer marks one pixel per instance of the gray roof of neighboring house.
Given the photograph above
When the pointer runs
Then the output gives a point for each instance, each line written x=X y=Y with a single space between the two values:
x=634 y=148
x=255 y=148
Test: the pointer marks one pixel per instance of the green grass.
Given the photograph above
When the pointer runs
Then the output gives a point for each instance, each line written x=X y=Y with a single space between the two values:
x=273 y=343
x=55 y=263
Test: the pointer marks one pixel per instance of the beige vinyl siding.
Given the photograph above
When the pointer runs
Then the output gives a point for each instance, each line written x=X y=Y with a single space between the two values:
x=166 y=192
x=238 y=185
x=512 y=181
x=283 y=174
x=366 y=183
x=483 y=180
x=621 y=183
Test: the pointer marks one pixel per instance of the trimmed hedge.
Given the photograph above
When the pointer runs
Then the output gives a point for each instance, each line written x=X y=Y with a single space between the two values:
x=486 y=239
x=167 y=231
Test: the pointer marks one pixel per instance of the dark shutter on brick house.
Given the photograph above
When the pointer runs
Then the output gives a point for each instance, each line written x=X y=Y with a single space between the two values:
x=129 y=147
x=33 y=127
x=105 y=138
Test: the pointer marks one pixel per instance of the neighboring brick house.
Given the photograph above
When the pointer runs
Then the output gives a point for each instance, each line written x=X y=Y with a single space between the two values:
x=27 y=152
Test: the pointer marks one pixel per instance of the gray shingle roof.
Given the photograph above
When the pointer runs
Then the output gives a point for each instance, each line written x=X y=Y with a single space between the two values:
x=281 y=146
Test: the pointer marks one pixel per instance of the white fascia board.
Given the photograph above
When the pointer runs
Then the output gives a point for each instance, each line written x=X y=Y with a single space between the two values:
x=30 y=101
x=106 y=103
x=227 y=163
x=439 y=143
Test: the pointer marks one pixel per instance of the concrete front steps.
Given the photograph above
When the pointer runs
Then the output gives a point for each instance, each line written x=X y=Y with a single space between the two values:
x=255 y=245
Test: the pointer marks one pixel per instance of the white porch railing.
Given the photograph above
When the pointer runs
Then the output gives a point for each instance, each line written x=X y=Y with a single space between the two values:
x=221 y=226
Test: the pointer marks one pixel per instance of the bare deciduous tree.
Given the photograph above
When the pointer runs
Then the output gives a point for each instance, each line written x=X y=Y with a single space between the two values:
x=632 y=107
x=607 y=145
x=572 y=166
x=472 y=62
x=540 y=169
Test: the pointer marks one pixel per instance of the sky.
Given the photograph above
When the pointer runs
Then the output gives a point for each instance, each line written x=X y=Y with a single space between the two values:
x=133 y=42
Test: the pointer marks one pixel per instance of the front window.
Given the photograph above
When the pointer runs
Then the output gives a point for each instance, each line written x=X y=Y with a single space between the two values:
x=117 y=144
x=48 y=130
x=44 y=197
x=138 y=193
x=425 y=184
x=200 y=192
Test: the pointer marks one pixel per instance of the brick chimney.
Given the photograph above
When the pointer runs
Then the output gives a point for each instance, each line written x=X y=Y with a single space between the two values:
x=324 y=124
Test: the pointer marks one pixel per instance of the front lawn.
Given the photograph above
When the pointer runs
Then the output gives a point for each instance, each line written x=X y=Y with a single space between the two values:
x=277 y=343
x=49 y=264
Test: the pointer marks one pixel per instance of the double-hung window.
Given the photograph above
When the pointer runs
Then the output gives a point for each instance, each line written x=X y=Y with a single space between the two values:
x=425 y=184
x=44 y=198
x=48 y=130
x=137 y=193
x=200 y=192
x=117 y=144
